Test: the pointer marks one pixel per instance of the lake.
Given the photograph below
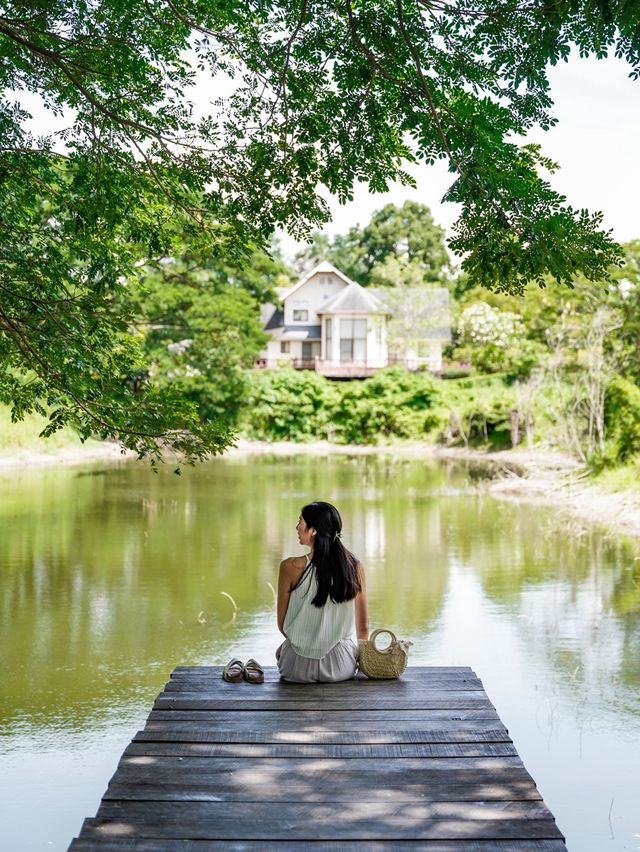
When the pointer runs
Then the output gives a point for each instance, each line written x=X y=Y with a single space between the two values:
x=110 y=576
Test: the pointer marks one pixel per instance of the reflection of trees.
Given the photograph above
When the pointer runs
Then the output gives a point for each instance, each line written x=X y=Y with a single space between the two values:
x=392 y=514
x=625 y=603
x=103 y=575
x=514 y=544
x=575 y=591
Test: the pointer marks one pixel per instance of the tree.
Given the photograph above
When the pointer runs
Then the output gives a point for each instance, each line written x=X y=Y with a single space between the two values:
x=624 y=295
x=202 y=329
x=398 y=244
x=409 y=235
x=323 y=95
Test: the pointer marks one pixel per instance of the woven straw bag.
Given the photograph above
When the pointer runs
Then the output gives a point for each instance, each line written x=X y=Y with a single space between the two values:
x=388 y=663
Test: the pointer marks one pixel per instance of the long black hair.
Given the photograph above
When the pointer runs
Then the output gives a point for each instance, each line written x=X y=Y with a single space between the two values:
x=336 y=567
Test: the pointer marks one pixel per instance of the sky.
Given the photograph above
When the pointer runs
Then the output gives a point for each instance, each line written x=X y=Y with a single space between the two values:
x=596 y=143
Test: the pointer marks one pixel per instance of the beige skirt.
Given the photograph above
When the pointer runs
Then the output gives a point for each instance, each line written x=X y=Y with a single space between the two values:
x=341 y=663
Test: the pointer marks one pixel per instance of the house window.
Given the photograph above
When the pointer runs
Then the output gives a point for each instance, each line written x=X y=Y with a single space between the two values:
x=353 y=340
x=301 y=316
x=328 y=346
x=310 y=350
x=284 y=346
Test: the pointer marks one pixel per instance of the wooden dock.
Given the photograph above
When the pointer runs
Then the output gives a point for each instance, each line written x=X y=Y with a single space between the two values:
x=419 y=763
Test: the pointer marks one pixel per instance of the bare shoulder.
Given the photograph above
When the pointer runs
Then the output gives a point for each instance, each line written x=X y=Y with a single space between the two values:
x=293 y=563
x=291 y=570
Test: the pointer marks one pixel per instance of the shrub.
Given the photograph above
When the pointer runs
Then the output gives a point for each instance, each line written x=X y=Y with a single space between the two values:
x=393 y=403
x=622 y=420
x=456 y=373
x=287 y=405
x=479 y=410
x=494 y=341
x=291 y=405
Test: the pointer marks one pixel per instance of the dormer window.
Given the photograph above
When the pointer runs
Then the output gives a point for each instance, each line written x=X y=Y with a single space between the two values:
x=301 y=316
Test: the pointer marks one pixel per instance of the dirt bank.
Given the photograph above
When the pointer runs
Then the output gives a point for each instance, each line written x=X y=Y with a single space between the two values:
x=21 y=457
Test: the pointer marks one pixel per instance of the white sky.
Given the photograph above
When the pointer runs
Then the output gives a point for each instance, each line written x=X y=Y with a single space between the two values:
x=596 y=143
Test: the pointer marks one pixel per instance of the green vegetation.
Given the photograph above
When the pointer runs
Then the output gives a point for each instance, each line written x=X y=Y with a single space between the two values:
x=309 y=99
x=556 y=367
x=394 y=404
x=23 y=436
x=399 y=244
x=200 y=328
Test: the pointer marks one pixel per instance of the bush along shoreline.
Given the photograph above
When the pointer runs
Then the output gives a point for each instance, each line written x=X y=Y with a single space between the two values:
x=484 y=411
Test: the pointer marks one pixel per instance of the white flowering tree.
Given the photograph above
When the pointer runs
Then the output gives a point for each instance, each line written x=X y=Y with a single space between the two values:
x=495 y=341
x=482 y=325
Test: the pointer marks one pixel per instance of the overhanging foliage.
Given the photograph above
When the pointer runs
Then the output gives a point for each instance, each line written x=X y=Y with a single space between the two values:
x=323 y=94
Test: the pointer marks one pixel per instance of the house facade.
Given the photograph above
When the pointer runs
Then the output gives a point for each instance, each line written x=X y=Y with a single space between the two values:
x=329 y=323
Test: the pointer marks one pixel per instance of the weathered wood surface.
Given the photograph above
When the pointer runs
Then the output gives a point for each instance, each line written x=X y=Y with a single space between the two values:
x=419 y=763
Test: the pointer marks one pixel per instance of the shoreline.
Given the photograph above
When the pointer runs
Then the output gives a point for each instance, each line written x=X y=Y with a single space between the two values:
x=538 y=476
x=27 y=457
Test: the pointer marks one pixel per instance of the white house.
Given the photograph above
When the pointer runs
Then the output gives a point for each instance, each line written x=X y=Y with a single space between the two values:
x=328 y=323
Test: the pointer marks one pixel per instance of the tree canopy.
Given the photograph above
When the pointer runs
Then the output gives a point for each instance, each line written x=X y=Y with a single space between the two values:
x=306 y=95
x=398 y=243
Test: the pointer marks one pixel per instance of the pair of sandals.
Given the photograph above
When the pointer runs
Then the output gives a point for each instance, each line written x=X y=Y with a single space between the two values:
x=236 y=671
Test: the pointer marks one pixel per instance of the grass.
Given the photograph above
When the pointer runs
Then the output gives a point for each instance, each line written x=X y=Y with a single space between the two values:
x=625 y=478
x=24 y=436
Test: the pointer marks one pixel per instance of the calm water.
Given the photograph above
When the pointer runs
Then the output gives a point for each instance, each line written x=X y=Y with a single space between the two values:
x=111 y=576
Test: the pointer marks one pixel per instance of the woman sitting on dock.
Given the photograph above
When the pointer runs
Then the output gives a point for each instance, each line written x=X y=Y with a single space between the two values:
x=321 y=597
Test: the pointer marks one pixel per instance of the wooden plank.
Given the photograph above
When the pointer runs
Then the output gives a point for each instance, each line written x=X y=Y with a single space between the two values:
x=333 y=790
x=141 y=844
x=300 y=727
x=311 y=750
x=273 y=769
x=330 y=813
x=394 y=827
x=191 y=734
x=284 y=689
x=230 y=719
x=214 y=701
x=272 y=671
x=413 y=674
x=197 y=771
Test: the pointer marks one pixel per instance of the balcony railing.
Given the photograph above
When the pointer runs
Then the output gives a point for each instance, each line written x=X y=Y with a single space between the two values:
x=351 y=369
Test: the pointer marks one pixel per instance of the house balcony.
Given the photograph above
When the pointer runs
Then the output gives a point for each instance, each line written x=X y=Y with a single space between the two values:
x=348 y=369
x=339 y=369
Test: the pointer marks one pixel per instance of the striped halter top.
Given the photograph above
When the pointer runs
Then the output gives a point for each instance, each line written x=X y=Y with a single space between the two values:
x=313 y=631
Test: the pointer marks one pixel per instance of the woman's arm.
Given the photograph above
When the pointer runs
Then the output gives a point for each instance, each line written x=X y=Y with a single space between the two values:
x=284 y=590
x=362 y=613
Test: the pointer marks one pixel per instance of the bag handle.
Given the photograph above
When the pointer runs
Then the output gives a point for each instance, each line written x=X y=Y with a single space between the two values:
x=376 y=633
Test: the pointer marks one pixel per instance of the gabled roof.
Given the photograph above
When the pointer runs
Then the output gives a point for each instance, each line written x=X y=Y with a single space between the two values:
x=323 y=267
x=354 y=299
x=275 y=320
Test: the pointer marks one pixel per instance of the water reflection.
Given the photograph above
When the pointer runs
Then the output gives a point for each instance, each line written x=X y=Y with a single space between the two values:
x=111 y=576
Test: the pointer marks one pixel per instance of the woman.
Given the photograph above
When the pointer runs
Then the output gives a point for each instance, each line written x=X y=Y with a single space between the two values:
x=320 y=598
